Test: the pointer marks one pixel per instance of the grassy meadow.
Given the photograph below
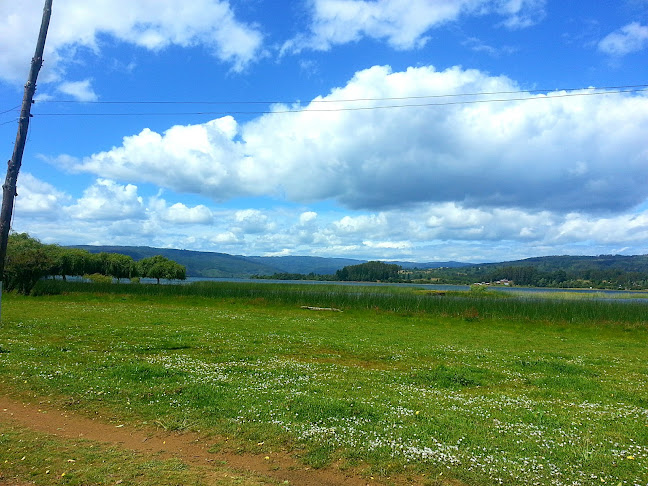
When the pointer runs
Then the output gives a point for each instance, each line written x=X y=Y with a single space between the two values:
x=481 y=388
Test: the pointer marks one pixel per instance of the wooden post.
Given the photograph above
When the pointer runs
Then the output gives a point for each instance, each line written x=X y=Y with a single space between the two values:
x=9 y=187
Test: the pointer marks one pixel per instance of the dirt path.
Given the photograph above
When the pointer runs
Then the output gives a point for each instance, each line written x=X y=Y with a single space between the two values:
x=187 y=447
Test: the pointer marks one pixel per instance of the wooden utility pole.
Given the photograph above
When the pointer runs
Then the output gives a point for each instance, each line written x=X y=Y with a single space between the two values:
x=9 y=187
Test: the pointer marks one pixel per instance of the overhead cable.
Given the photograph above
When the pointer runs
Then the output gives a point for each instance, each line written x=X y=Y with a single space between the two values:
x=357 y=108
x=605 y=89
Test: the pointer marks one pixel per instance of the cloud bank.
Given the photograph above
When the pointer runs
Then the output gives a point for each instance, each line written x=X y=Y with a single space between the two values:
x=555 y=152
x=113 y=213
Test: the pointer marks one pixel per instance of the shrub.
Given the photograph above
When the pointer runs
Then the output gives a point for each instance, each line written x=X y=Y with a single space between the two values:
x=98 y=278
x=478 y=289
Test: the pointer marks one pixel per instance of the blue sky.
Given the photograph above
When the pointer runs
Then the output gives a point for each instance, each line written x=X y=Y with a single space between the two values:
x=282 y=127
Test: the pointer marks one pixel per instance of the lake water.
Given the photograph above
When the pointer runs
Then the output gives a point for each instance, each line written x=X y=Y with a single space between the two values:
x=529 y=290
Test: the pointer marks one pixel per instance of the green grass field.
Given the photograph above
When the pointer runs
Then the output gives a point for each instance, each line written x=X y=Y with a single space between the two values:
x=481 y=389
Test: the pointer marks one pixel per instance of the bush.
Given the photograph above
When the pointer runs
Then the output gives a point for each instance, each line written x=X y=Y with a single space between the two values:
x=98 y=278
x=478 y=289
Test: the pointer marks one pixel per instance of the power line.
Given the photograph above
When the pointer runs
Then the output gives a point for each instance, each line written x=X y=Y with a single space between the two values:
x=358 y=108
x=9 y=110
x=609 y=89
x=10 y=121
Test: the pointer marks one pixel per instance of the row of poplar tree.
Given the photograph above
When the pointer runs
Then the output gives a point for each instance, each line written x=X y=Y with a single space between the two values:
x=29 y=260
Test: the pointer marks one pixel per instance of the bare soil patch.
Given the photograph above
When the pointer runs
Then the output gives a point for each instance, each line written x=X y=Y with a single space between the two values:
x=188 y=447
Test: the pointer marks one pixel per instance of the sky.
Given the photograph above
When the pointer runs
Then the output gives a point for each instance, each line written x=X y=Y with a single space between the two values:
x=411 y=130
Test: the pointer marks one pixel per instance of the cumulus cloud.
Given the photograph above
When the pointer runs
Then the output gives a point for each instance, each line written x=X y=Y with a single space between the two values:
x=197 y=159
x=180 y=213
x=151 y=24
x=107 y=200
x=402 y=23
x=629 y=38
x=547 y=152
x=307 y=217
x=251 y=221
x=38 y=198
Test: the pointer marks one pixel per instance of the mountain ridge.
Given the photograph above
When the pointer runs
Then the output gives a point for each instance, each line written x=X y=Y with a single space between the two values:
x=224 y=265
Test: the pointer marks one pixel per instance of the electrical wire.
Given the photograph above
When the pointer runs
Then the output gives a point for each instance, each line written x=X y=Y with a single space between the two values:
x=11 y=109
x=10 y=121
x=609 y=89
x=358 y=108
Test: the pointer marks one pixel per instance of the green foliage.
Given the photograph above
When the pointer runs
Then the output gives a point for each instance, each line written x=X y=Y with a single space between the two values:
x=98 y=278
x=27 y=261
x=71 y=261
x=370 y=272
x=120 y=266
x=478 y=289
x=160 y=267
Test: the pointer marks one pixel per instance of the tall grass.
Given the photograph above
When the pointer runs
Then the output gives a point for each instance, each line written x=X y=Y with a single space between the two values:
x=468 y=305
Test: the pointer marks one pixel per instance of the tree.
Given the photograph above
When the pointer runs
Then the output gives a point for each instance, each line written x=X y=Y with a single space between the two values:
x=159 y=267
x=120 y=266
x=71 y=261
x=27 y=261
x=370 y=272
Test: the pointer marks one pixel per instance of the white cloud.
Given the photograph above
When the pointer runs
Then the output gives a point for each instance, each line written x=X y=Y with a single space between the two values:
x=399 y=245
x=77 y=25
x=181 y=214
x=227 y=238
x=81 y=90
x=107 y=200
x=519 y=14
x=307 y=217
x=559 y=154
x=38 y=198
x=110 y=213
x=402 y=23
x=197 y=158
x=477 y=45
x=251 y=221
x=629 y=38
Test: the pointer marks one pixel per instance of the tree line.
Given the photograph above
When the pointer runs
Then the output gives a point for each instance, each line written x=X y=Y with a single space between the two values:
x=575 y=274
x=29 y=260
x=535 y=276
x=364 y=272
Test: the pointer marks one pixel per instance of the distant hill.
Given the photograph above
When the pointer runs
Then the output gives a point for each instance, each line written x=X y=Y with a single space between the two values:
x=222 y=265
x=603 y=271
x=306 y=264
x=624 y=263
x=198 y=263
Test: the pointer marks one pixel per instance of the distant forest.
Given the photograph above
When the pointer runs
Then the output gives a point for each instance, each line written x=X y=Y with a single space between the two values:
x=602 y=272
